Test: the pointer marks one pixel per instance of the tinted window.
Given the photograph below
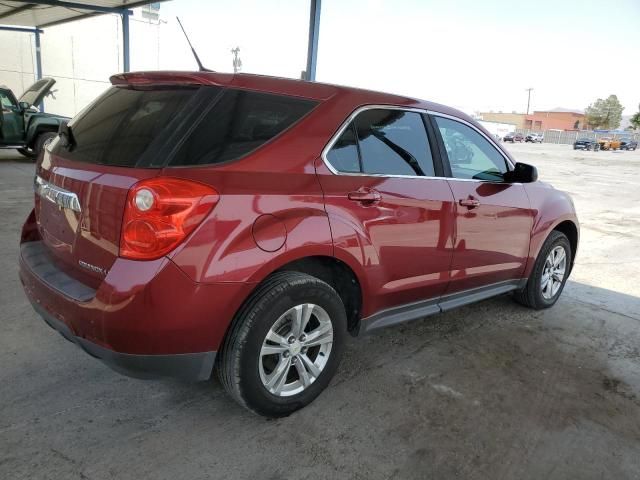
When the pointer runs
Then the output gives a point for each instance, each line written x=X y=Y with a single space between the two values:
x=120 y=125
x=471 y=156
x=393 y=142
x=238 y=123
x=343 y=156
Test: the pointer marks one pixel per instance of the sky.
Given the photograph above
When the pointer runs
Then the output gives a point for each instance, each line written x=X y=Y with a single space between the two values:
x=472 y=55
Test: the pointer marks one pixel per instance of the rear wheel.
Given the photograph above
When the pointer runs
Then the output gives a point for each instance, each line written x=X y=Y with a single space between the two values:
x=549 y=274
x=284 y=345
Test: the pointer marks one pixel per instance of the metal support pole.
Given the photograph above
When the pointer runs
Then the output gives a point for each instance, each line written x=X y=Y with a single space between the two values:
x=125 y=41
x=38 y=56
x=39 y=63
x=314 y=31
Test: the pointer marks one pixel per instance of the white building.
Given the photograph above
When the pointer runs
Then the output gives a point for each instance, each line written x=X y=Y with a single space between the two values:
x=69 y=54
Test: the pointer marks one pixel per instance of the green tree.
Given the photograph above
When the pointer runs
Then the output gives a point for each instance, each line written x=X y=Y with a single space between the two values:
x=635 y=119
x=605 y=113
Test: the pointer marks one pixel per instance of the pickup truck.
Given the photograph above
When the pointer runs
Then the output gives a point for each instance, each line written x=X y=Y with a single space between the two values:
x=22 y=125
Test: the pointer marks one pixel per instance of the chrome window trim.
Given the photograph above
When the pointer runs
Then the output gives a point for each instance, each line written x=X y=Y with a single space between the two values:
x=364 y=108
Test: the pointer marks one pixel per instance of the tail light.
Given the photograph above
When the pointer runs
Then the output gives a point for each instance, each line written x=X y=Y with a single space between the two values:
x=160 y=213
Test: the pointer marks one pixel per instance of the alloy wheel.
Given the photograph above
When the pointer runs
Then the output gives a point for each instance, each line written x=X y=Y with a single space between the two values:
x=296 y=349
x=553 y=272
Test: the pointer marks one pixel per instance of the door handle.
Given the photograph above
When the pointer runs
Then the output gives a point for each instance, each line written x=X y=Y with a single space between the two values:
x=364 y=195
x=470 y=202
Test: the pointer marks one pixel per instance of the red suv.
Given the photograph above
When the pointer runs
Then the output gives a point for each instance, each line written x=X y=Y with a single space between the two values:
x=192 y=222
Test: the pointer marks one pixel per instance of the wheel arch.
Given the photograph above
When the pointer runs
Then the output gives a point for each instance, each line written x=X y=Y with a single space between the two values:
x=39 y=126
x=340 y=276
x=570 y=229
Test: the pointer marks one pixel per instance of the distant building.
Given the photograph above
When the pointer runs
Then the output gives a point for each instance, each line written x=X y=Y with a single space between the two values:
x=512 y=118
x=496 y=128
x=557 y=119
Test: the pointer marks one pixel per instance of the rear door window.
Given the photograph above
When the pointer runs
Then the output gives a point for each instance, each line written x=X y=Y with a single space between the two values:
x=384 y=141
x=238 y=123
x=394 y=142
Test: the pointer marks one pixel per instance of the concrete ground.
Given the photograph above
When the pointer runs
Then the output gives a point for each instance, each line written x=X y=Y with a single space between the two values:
x=491 y=391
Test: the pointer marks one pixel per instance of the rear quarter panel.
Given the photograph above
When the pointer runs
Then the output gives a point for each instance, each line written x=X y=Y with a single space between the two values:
x=271 y=208
x=250 y=234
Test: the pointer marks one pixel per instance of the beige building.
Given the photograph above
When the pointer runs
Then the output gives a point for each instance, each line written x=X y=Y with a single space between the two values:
x=513 y=118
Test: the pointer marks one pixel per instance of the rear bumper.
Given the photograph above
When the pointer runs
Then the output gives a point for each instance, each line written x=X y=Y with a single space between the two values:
x=146 y=319
x=186 y=366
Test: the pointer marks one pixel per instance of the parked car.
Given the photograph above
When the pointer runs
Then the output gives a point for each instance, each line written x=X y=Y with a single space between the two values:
x=513 y=137
x=534 y=137
x=22 y=125
x=247 y=225
x=628 y=143
x=609 y=143
x=586 y=143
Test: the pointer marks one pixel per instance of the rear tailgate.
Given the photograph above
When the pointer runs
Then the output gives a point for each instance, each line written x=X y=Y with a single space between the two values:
x=82 y=185
x=84 y=238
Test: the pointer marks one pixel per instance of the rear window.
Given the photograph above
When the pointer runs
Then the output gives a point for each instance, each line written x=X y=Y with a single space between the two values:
x=238 y=123
x=179 y=126
x=119 y=127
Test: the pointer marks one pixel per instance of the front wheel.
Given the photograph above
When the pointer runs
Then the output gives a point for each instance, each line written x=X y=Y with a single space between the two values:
x=284 y=345
x=549 y=274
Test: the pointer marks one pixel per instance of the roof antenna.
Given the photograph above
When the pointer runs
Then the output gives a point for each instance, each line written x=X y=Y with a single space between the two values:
x=200 y=66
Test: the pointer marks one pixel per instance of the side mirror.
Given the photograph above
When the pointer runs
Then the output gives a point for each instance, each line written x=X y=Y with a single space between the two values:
x=522 y=173
x=24 y=106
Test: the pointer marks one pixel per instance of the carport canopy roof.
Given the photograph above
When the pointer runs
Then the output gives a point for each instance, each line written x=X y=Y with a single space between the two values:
x=46 y=13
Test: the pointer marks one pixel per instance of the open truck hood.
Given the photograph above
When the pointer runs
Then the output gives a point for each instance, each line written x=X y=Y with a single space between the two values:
x=36 y=92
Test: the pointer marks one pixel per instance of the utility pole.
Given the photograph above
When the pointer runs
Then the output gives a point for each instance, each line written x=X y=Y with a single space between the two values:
x=528 y=98
x=237 y=63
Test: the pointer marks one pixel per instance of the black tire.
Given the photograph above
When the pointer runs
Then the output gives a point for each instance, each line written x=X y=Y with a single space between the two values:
x=27 y=152
x=42 y=140
x=38 y=145
x=531 y=295
x=238 y=360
